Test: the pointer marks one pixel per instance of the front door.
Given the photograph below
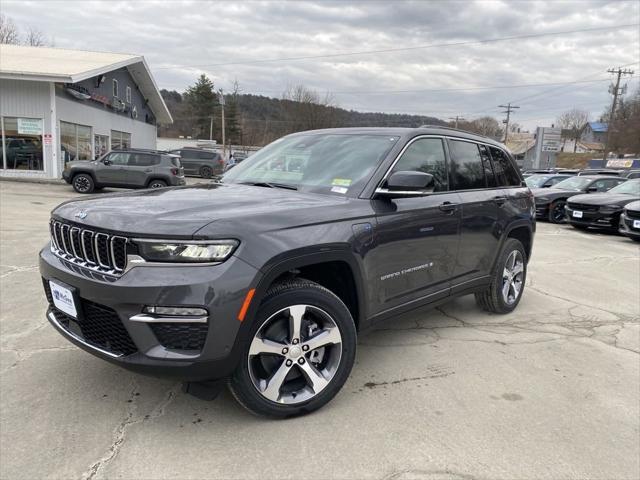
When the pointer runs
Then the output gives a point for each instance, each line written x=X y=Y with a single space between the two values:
x=416 y=239
x=112 y=170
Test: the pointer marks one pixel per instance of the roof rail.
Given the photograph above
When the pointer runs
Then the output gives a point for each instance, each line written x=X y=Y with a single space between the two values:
x=444 y=127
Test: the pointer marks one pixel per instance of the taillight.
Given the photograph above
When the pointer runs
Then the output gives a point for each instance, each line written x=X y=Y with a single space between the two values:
x=175 y=171
x=221 y=161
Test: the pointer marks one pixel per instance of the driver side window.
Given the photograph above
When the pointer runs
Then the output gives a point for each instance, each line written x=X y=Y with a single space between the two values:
x=425 y=155
x=119 y=158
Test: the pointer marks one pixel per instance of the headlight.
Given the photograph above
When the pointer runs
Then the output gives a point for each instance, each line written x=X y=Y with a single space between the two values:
x=214 y=251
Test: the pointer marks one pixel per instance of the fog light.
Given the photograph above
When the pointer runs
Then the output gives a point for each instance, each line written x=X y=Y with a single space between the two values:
x=176 y=311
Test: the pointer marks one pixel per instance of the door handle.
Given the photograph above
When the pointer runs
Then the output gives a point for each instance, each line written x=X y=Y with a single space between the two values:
x=500 y=200
x=448 y=207
x=148 y=170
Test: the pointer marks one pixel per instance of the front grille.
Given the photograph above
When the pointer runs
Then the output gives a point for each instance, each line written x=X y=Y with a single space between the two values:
x=632 y=214
x=181 y=336
x=583 y=207
x=98 y=325
x=88 y=248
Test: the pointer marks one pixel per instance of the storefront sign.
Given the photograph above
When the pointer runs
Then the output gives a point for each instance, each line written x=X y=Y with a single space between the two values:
x=29 y=126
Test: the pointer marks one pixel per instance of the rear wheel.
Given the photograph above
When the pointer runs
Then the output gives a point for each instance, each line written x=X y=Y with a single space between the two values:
x=301 y=351
x=206 y=172
x=556 y=211
x=83 y=183
x=157 y=184
x=505 y=291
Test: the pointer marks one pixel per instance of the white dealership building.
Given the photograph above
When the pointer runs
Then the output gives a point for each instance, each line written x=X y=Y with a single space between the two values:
x=58 y=105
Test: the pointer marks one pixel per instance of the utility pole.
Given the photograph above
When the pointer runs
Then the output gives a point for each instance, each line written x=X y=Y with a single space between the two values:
x=224 y=143
x=211 y=129
x=509 y=109
x=456 y=119
x=615 y=91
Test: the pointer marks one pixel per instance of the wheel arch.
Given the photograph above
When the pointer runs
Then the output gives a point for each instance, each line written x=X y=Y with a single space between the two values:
x=523 y=232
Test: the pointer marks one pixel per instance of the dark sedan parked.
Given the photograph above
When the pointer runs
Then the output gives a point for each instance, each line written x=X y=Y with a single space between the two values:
x=630 y=221
x=550 y=201
x=602 y=210
x=544 y=180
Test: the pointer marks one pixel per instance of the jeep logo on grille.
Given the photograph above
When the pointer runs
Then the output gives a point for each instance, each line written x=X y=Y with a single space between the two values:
x=81 y=214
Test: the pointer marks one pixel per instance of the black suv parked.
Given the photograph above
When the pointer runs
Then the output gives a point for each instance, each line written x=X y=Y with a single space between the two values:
x=132 y=168
x=201 y=162
x=266 y=277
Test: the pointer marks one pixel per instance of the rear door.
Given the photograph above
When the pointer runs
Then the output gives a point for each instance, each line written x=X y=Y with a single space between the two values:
x=416 y=238
x=471 y=175
x=140 y=168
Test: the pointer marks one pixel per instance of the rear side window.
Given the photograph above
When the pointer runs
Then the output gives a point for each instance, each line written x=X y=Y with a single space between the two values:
x=189 y=154
x=506 y=174
x=486 y=164
x=425 y=155
x=143 y=160
x=175 y=161
x=467 y=169
x=206 y=155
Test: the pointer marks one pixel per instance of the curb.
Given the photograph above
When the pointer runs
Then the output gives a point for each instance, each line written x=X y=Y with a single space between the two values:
x=46 y=181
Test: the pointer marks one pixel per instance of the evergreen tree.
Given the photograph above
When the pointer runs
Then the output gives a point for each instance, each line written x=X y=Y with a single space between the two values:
x=203 y=103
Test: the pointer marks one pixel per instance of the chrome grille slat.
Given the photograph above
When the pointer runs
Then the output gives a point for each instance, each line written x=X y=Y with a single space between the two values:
x=96 y=251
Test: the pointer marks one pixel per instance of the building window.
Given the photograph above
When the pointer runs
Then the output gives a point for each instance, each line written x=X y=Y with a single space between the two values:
x=100 y=145
x=120 y=140
x=21 y=147
x=75 y=142
x=115 y=88
x=128 y=94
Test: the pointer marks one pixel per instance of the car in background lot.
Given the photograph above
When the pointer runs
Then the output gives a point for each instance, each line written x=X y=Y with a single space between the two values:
x=550 y=202
x=602 y=210
x=545 y=180
x=631 y=174
x=131 y=168
x=205 y=163
x=600 y=171
x=630 y=221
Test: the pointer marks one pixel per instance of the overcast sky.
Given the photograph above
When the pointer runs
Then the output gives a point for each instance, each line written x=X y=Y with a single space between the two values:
x=180 y=40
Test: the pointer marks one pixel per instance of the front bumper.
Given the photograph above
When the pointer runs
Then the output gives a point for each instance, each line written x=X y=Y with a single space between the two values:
x=542 y=210
x=594 y=219
x=220 y=289
x=625 y=227
x=66 y=176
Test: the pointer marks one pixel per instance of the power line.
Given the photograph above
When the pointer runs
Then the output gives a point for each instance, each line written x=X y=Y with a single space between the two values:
x=403 y=49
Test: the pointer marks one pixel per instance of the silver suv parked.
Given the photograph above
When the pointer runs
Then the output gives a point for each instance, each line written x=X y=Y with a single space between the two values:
x=132 y=168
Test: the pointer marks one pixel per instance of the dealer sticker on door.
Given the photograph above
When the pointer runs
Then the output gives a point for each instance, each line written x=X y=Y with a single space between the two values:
x=63 y=299
x=577 y=214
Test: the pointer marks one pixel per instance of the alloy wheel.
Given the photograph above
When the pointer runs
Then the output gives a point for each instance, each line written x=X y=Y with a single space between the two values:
x=558 y=212
x=295 y=354
x=512 y=277
x=82 y=184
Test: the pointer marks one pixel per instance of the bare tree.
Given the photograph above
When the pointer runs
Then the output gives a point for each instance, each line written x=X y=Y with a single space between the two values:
x=8 y=31
x=573 y=122
x=305 y=109
x=35 y=38
x=487 y=126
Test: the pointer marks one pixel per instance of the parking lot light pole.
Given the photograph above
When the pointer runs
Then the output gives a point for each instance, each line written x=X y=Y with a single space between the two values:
x=224 y=143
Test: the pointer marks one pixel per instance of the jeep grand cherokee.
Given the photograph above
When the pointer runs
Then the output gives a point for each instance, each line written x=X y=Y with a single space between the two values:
x=265 y=278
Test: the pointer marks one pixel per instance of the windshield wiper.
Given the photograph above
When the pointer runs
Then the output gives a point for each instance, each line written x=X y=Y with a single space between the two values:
x=270 y=185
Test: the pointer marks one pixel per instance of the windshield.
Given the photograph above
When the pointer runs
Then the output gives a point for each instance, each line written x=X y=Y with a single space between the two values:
x=630 y=187
x=536 y=181
x=337 y=163
x=574 y=183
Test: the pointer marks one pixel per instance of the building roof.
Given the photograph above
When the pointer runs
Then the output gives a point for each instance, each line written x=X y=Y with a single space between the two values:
x=598 y=126
x=43 y=64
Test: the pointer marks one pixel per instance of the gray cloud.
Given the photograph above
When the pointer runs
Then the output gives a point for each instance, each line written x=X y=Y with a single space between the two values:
x=175 y=35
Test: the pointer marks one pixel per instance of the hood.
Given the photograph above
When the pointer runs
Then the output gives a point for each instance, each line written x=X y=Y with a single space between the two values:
x=633 y=206
x=182 y=211
x=603 y=199
x=79 y=163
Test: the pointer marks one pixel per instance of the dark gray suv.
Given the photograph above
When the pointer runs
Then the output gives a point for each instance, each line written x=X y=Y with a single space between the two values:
x=131 y=168
x=200 y=161
x=264 y=279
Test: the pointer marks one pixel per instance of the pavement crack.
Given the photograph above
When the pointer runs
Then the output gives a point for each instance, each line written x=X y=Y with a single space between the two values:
x=15 y=269
x=120 y=432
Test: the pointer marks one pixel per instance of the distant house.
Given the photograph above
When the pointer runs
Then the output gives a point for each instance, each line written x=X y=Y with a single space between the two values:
x=522 y=146
x=594 y=132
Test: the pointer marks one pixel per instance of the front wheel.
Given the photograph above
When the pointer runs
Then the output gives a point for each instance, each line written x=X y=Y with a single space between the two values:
x=83 y=183
x=556 y=211
x=301 y=351
x=505 y=291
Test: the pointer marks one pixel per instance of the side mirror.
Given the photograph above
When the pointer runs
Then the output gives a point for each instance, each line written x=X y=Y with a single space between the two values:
x=106 y=161
x=407 y=184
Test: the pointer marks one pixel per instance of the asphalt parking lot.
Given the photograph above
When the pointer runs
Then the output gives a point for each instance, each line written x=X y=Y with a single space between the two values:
x=550 y=391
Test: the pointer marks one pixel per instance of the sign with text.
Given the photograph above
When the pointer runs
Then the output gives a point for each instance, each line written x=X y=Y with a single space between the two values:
x=29 y=126
x=619 y=163
x=551 y=139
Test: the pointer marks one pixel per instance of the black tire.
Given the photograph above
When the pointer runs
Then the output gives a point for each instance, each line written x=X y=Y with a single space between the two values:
x=157 y=184
x=206 y=172
x=83 y=183
x=493 y=299
x=556 y=211
x=278 y=298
